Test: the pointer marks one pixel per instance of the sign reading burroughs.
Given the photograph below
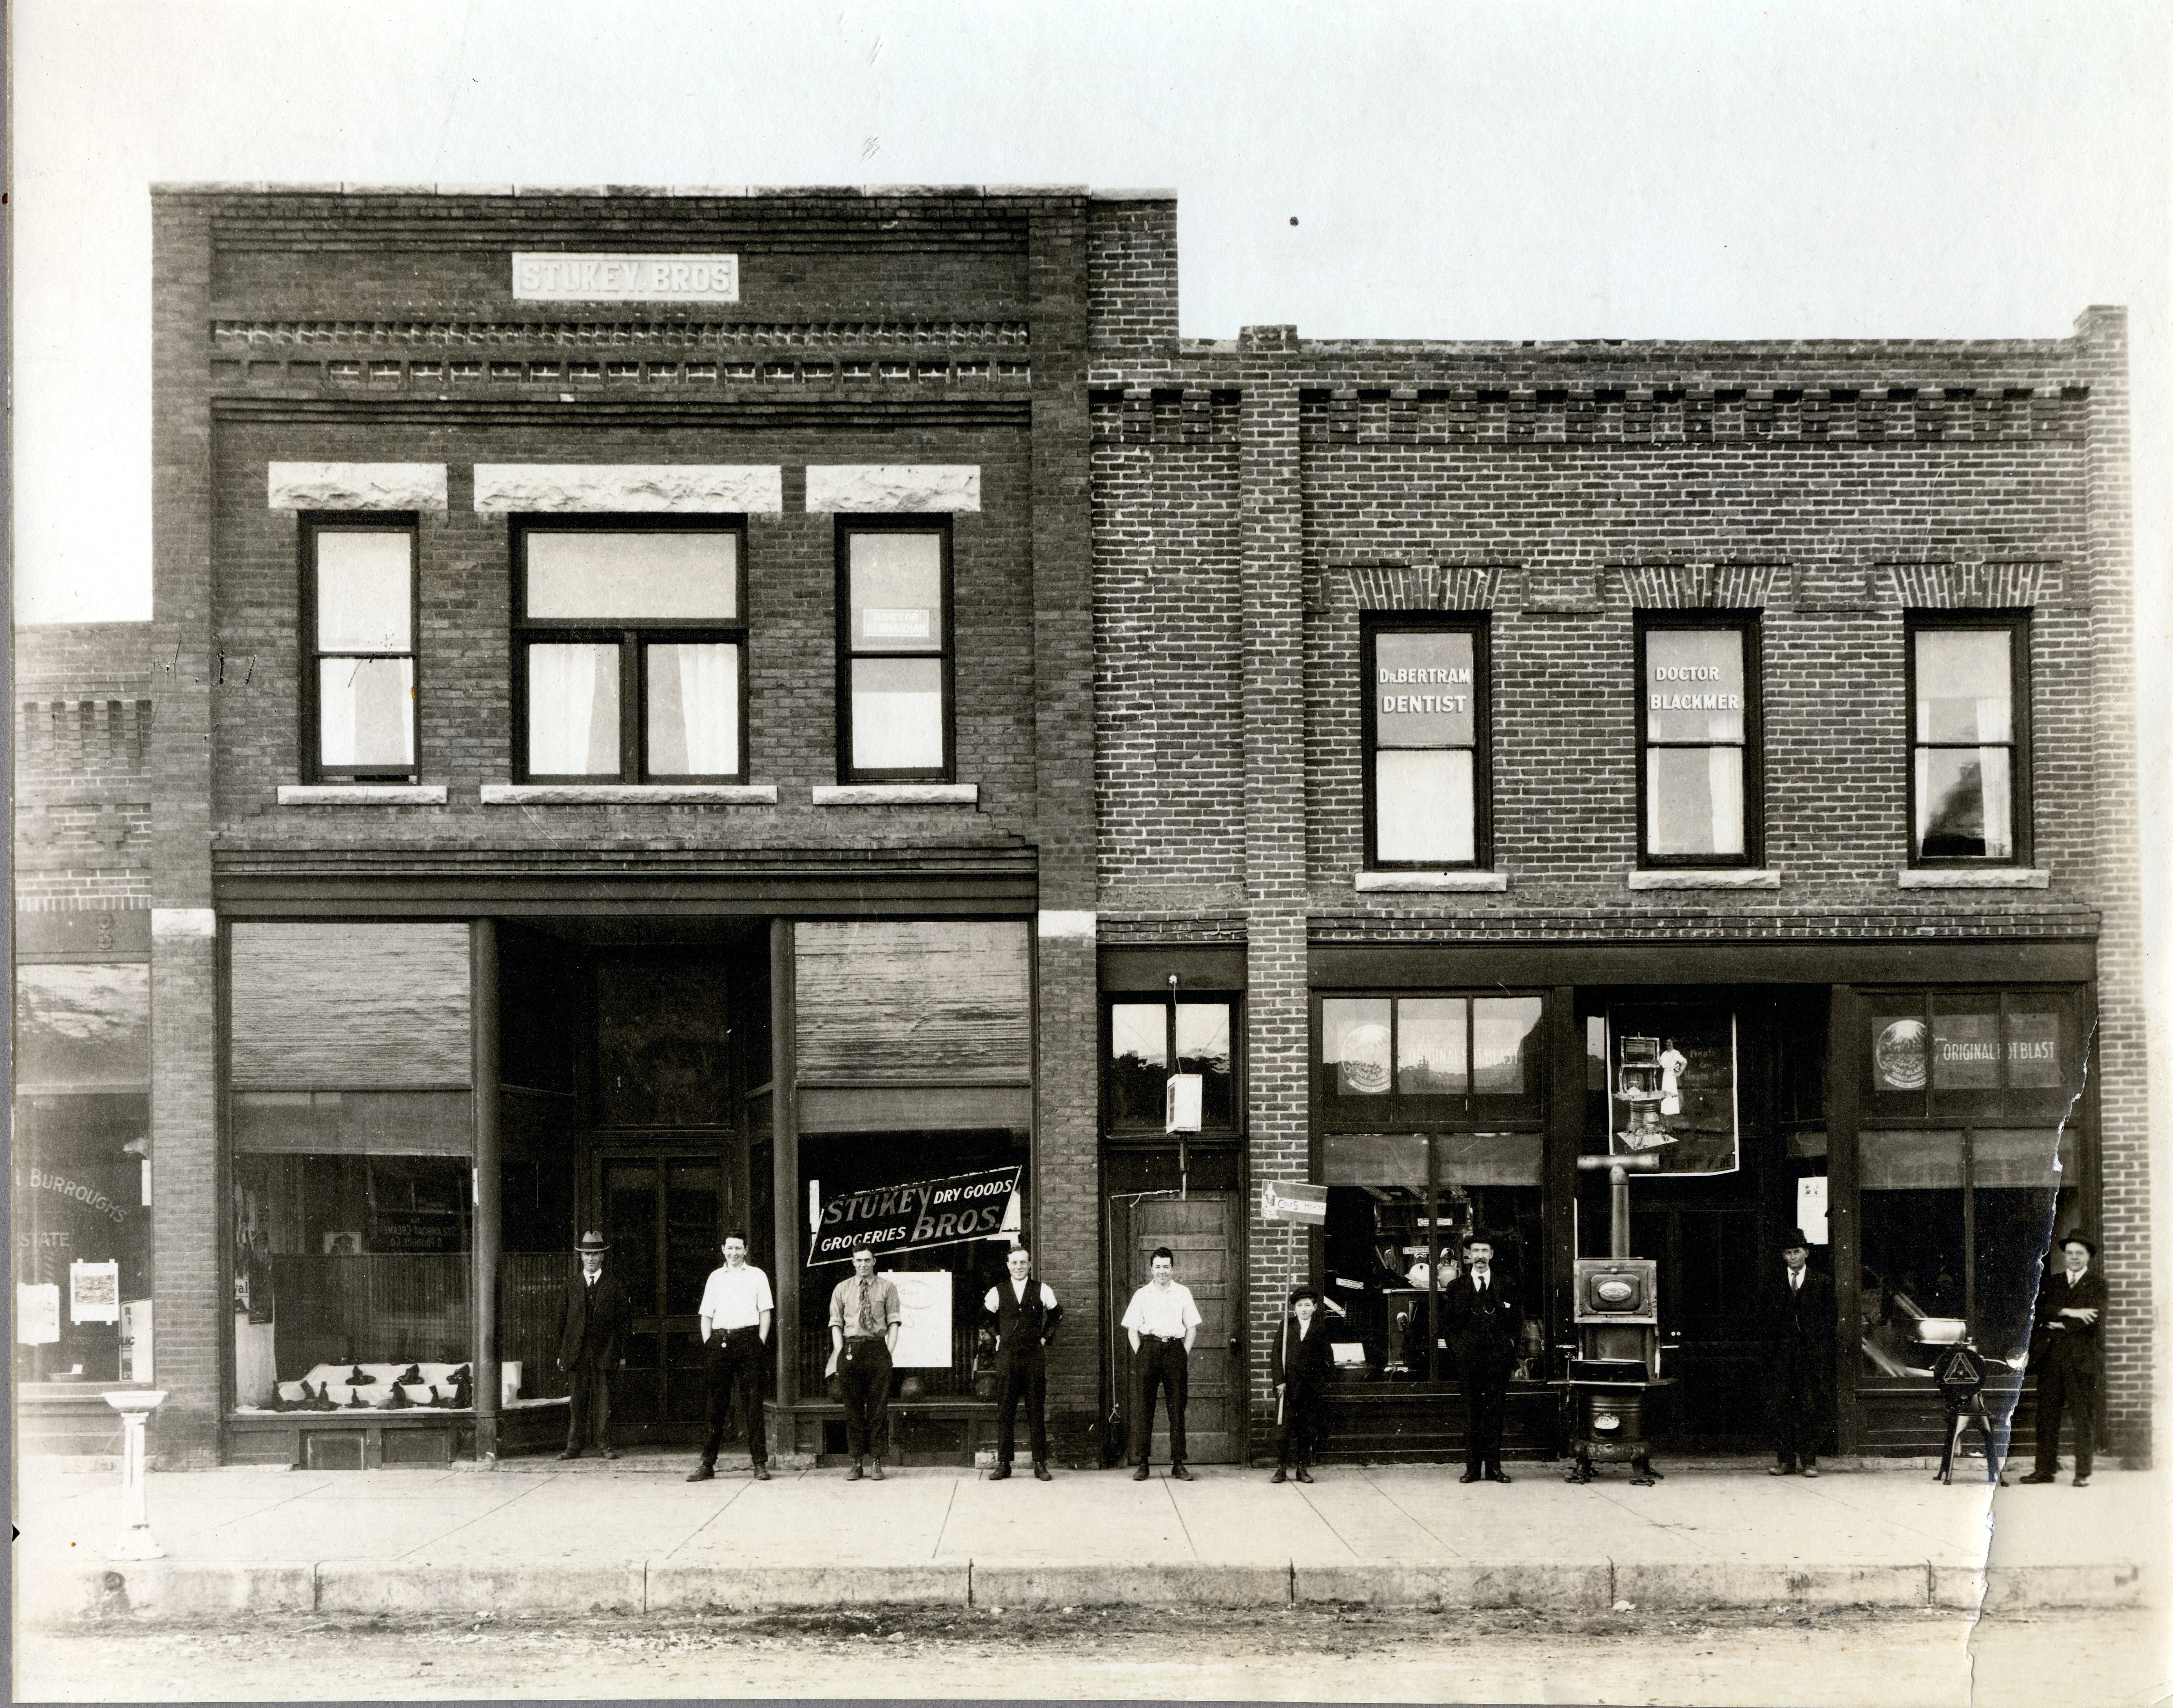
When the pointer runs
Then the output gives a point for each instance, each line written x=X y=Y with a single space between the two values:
x=546 y=278
x=914 y=1217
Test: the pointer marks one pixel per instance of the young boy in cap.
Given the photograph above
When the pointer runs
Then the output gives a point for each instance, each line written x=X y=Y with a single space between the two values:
x=1303 y=1362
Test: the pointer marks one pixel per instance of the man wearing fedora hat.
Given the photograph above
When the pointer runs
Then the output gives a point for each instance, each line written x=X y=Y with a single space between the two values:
x=1795 y=1328
x=592 y=1319
x=2063 y=1351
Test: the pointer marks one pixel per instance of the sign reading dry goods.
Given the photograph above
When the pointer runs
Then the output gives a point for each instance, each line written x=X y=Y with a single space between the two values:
x=538 y=278
x=914 y=1217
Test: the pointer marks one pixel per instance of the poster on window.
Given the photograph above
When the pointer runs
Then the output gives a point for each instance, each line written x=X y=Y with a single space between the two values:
x=1671 y=1085
x=95 y=1292
x=38 y=1313
x=924 y=1301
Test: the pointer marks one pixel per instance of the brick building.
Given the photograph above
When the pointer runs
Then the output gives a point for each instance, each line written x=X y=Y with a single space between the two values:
x=683 y=710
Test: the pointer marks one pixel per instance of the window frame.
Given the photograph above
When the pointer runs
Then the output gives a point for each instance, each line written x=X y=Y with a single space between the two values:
x=1478 y=624
x=1423 y=1113
x=1232 y=1002
x=314 y=525
x=1749 y=623
x=945 y=652
x=2017 y=625
x=631 y=637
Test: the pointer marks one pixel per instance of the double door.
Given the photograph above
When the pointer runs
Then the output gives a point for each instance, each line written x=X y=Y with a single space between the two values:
x=665 y=1210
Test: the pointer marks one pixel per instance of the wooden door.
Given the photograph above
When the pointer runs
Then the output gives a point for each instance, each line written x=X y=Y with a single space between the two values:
x=1201 y=1232
x=664 y=1215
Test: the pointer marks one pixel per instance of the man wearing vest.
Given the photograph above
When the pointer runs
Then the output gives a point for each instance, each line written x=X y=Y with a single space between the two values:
x=592 y=1319
x=864 y=1322
x=1026 y=1314
x=1484 y=1328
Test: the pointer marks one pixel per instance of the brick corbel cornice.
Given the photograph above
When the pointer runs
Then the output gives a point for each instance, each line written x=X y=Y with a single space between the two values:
x=1699 y=586
x=1424 y=587
x=1969 y=587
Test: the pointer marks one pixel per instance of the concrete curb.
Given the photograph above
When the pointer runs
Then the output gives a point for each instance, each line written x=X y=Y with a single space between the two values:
x=204 y=1590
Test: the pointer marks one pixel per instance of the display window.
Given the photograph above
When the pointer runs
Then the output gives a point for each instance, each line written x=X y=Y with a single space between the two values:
x=942 y=1211
x=2013 y=1055
x=352 y=1276
x=1956 y=1223
x=82 y=1178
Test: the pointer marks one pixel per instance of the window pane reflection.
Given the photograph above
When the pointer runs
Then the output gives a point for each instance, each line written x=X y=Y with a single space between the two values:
x=1430 y=1045
x=1139 y=1034
x=1354 y=1039
x=1203 y=1047
x=1965 y=804
x=1964 y=686
x=1694 y=800
x=1504 y=1045
x=897 y=592
x=363 y=603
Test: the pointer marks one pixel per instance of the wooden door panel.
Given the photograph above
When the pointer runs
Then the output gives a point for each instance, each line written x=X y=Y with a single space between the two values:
x=1201 y=1234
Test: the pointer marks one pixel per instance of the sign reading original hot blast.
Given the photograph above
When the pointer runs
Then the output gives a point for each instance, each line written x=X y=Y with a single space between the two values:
x=914 y=1217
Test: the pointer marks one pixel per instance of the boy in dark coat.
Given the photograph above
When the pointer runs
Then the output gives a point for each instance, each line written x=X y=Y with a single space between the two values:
x=1303 y=1360
x=1795 y=1329
x=2063 y=1352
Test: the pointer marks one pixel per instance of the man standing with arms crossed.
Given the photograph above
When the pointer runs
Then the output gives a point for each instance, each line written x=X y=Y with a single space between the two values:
x=1026 y=1314
x=1163 y=1322
x=736 y=1310
x=864 y=1315
x=2063 y=1351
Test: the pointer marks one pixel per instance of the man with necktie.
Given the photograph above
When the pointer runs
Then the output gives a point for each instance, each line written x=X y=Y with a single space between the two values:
x=1162 y=1322
x=1484 y=1329
x=1026 y=1314
x=864 y=1315
x=1795 y=1328
x=592 y=1324
x=2063 y=1352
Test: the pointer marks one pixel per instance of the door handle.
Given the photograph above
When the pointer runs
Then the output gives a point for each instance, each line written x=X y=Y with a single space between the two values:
x=1235 y=1344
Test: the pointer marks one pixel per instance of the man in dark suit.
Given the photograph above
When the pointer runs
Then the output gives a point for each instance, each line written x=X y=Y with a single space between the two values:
x=1485 y=1327
x=2063 y=1352
x=592 y=1323
x=1795 y=1328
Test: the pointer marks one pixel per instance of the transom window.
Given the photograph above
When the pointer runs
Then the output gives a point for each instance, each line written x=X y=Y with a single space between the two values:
x=1968 y=737
x=1425 y=731
x=1151 y=1038
x=894 y=692
x=358 y=592
x=1697 y=712
x=1432 y=1060
x=632 y=642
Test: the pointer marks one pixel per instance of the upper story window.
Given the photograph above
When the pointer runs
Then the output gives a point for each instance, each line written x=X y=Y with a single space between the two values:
x=1425 y=729
x=631 y=635
x=894 y=692
x=1968 y=744
x=1698 y=729
x=358 y=594
x=1151 y=1037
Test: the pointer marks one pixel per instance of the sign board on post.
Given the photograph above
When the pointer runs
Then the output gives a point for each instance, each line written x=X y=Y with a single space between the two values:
x=1294 y=1201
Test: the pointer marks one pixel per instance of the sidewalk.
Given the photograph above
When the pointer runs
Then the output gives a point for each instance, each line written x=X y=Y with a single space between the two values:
x=547 y=1538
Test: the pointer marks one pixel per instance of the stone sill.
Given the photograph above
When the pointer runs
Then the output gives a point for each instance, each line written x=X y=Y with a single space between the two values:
x=1707 y=878
x=1991 y=877
x=630 y=794
x=362 y=795
x=897 y=794
x=1424 y=883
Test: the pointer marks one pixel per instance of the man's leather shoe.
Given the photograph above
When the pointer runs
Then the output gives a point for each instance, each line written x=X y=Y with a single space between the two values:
x=1810 y=1469
x=1468 y=1477
x=607 y=1453
x=1140 y=1475
x=701 y=1474
x=1280 y=1476
x=875 y=1471
x=2036 y=1476
x=1780 y=1470
x=1180 y=1474
x=1040 y=1472
x=762 y=1474
x=1304 y=1475
x=571 y=1453
x=999 y=1474
x=854 y=1475
x=2082 y=1483
x=1495 y=1473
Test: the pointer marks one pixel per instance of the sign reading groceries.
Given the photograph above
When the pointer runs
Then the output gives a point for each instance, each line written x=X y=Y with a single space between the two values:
x=913 y=1217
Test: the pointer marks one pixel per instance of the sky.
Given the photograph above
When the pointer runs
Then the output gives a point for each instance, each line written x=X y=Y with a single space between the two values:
x=1539 y=169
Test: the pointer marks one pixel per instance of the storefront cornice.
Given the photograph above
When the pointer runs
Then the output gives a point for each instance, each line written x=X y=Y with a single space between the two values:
x=1940 y=960
x=593 y=411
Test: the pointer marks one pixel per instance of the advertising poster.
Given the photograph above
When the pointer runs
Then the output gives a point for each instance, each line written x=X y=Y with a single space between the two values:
x=924 y=1338
x=38 y=1313
x=1671 y=1085
x=95 y=1292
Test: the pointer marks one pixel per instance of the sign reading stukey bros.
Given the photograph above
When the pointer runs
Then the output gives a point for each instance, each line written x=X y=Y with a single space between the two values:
x=914 y=1216
x=599 y=278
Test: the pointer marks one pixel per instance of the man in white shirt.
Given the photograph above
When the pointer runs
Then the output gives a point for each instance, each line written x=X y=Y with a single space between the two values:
x=1026 y=1314
x=736 y=1310
x=1161 y=1321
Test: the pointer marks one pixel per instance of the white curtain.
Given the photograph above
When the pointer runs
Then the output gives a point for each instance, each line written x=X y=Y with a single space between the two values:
x=695 y=709
x=573 y=710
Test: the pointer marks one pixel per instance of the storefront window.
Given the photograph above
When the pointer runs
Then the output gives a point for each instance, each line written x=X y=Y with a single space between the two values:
x=1955 y=1226
x=1993 y=1055
x=1145 y=1037
x=1397 y=1062
x=349 y=1266
x=82 y=1174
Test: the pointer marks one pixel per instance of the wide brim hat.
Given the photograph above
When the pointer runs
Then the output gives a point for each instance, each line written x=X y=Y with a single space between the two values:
x=591 y=1242
x=1796 y=1241
x=2076 y=1236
